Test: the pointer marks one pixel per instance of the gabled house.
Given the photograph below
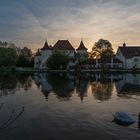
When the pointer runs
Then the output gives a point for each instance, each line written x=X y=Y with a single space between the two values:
x=129 y=55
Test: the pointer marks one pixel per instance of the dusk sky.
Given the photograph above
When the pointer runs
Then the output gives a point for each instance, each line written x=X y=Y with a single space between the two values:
x=31 y=22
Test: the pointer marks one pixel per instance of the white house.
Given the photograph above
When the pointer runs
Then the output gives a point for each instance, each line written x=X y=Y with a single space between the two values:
x=129 y=55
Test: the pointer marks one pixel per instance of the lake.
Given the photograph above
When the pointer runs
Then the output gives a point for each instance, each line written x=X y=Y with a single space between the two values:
x=63 y=106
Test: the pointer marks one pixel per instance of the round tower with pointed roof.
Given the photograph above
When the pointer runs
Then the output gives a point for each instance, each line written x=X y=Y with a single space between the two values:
x=37 y=60
x=46 y=52
x=82 y=51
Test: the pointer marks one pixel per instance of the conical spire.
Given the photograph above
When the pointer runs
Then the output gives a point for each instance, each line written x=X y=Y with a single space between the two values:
x=82 y=46
x=38 y=53
x=46 y=46
x=124 y=44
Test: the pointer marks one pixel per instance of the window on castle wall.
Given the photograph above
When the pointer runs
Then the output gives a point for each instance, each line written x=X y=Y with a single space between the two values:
x=136 y=60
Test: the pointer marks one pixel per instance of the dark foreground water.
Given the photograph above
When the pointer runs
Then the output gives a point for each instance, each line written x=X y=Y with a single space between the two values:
x=68 y=107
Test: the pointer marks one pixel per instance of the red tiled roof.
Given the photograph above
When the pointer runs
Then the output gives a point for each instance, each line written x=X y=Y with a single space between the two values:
x=46 y=46
x=82 y=46
x=130 y=51
x=63 y=45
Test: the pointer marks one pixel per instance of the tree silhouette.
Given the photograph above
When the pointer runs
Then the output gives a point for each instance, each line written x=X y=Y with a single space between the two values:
x=102 y=48
x=57 y=61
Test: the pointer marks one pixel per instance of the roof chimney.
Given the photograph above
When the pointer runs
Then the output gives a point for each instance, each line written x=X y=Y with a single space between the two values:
x=124 y=45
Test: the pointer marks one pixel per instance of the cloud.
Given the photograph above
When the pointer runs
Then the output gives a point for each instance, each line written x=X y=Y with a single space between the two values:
x=32 y=22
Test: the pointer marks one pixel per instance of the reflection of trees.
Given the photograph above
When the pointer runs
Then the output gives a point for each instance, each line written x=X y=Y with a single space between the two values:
x=61 y=85
x=102 y=90
x=24 y=81
x=10 y=83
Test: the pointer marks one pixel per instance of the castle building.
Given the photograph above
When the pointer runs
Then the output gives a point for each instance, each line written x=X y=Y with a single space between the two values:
x=62 y=46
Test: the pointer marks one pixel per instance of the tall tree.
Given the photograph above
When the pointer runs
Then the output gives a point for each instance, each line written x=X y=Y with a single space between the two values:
x=22 y=61
x=8 y=57
x=25 y=58
x=102 y=48
x=26 y=52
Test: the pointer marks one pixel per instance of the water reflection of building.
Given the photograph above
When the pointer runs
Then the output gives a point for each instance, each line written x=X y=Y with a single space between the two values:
x=64 y=85
x=129 y=85
x=81 y=86
x=61 y=84
x=41 y=81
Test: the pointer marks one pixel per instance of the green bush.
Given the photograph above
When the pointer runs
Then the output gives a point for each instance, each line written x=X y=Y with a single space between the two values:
x=57 y=61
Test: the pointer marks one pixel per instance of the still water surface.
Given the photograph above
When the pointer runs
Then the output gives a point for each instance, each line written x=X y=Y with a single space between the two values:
x=68 y=107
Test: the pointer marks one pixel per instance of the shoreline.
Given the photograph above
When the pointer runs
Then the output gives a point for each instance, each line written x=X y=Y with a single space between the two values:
x=83 y=71
x=26 y=70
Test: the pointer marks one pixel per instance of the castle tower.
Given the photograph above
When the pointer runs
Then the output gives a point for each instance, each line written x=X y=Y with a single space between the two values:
x=82 y=51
